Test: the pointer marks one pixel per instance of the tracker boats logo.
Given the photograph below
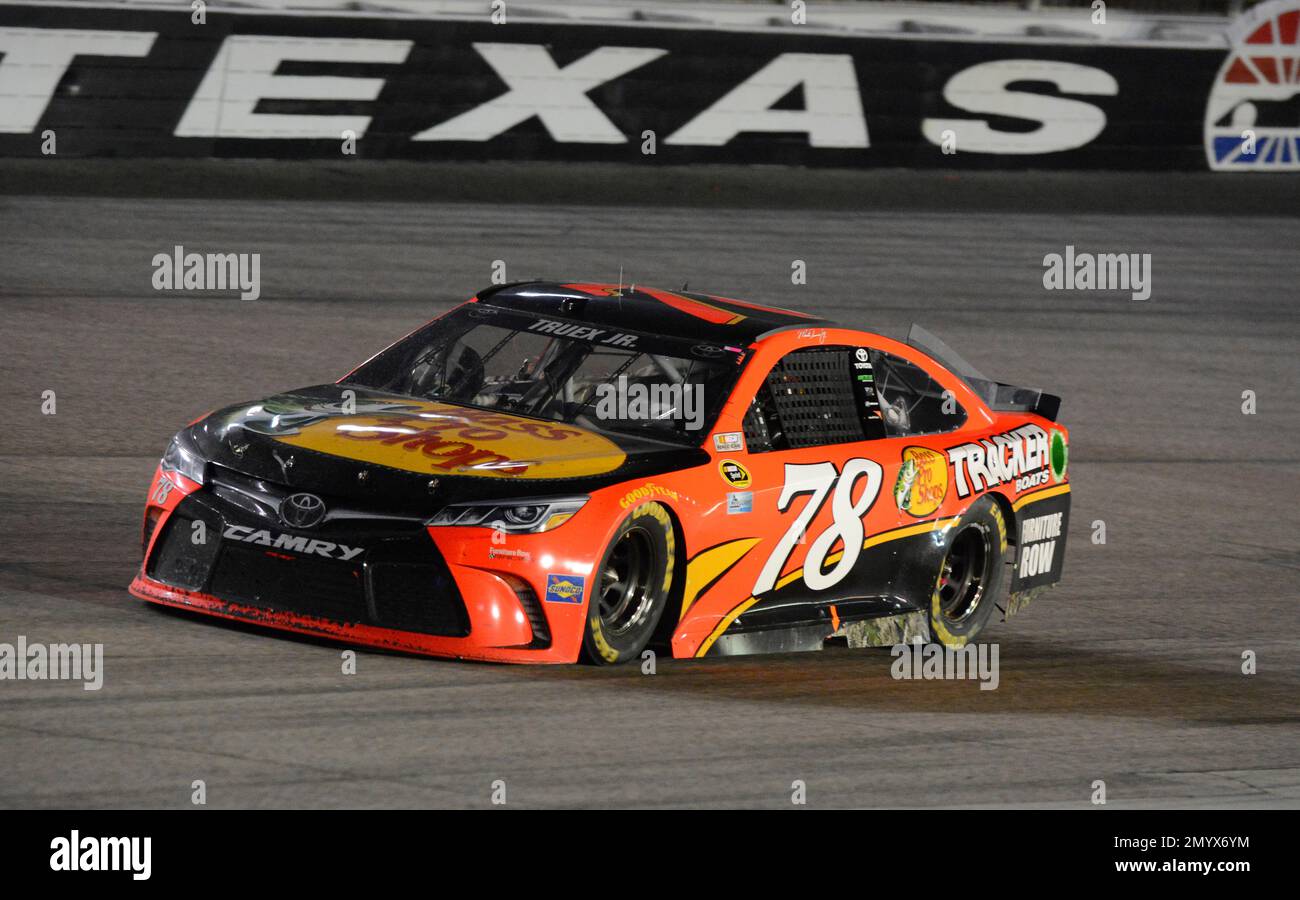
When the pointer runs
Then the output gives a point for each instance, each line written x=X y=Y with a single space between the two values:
x=1252 y=118
x=1021 y=455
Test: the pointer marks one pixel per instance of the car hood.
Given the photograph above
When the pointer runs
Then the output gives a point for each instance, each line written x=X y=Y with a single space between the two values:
x=348 y=441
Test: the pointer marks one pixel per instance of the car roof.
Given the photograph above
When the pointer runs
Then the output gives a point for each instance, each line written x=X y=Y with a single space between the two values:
x=682 y=314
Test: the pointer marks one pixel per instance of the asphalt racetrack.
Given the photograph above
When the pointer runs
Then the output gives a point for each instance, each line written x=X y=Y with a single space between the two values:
x=1129 y=673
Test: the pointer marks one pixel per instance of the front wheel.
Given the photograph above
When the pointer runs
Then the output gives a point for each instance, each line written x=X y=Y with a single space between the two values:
x=631 y=587
x=970 y=578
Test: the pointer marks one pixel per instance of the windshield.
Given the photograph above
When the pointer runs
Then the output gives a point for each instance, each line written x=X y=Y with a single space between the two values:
x=564 y=370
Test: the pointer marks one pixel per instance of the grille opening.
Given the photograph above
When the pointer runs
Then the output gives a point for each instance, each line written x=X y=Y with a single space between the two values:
x=399 y=581
x=532 y=609
x=268 y=579
x=417 y=596
x=184 y=553
x=151 y=516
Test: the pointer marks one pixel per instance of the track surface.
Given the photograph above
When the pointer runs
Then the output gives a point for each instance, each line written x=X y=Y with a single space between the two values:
x=1129 y=673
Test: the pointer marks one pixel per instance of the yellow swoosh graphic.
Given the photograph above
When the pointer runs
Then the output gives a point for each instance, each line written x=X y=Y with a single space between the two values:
x=708 y=566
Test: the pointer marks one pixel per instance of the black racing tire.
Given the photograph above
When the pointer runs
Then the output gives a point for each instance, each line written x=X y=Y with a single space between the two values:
x=630 y=587
x=969 y=585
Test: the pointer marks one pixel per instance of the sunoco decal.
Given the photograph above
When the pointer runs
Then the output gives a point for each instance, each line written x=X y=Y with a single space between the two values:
x=1019 y=456
x=922 y=481
x=565 y=588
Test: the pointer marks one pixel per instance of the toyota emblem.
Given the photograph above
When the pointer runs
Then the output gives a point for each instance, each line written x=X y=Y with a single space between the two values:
x=302 y=511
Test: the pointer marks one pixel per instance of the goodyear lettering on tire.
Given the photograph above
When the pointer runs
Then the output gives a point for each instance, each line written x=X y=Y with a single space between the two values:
x=996 y=512
x=660 y=514
x=608 y=653
x=946 y=637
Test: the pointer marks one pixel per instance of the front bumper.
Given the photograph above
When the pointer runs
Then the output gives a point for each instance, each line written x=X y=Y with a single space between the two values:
x=209 y=551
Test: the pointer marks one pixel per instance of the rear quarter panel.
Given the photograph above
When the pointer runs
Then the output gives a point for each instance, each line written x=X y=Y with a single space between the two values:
x=734 y=531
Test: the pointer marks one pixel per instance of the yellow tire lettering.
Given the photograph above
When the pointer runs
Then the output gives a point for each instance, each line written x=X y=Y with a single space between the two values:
x=1002 y=525
x=946 y=637
x=657 y=512
x=607 y=653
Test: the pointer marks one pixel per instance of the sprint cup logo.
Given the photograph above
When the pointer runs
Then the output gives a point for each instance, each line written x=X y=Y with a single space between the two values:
x=1252 y=119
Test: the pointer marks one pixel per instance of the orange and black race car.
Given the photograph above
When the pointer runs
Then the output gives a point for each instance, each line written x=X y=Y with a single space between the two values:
x=554 y=472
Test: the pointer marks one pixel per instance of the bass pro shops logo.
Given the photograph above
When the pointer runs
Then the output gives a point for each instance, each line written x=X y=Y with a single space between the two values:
x=1252 y=118
x=922 y=481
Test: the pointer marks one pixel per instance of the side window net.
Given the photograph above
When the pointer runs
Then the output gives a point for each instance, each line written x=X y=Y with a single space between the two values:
x=811 y=393
x=760 y=422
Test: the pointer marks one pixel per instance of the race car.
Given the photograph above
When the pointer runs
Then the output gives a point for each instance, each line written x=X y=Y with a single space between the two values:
x=555 y=472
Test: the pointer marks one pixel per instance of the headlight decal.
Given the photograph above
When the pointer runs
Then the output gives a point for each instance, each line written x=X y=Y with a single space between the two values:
x=531 y=516
x=183 y=457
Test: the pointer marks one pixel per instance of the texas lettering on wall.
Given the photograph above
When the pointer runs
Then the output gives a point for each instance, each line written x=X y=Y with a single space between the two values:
x=294 y=86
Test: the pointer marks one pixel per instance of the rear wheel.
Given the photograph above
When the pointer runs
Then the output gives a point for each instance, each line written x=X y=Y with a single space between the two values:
x=631 y=586
x=971 y=576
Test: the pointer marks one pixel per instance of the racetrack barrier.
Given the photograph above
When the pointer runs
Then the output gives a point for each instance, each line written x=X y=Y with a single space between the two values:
x=83 y=81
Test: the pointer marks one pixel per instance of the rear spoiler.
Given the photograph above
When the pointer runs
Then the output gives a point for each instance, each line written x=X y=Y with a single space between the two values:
x=999 y=397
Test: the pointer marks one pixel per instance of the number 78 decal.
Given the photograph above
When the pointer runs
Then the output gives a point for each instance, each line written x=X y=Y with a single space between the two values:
x=818 y=479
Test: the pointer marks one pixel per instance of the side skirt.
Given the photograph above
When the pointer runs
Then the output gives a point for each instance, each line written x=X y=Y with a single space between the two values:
x=792 y=628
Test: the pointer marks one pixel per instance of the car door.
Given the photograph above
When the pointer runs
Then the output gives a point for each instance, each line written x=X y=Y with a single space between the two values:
x=827 y=515
x=820 y=462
